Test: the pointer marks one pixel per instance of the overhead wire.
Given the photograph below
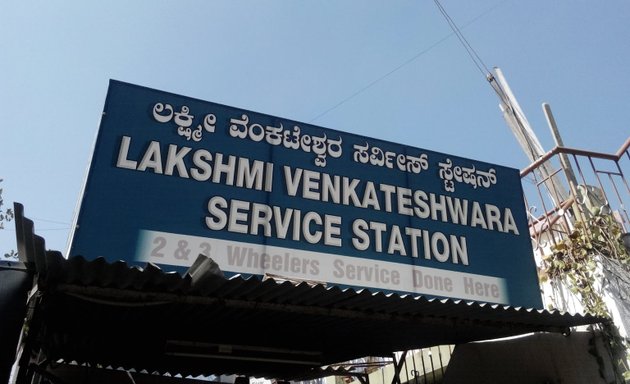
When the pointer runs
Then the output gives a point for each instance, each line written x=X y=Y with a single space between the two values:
x=36 y=220
x=365 y=88
x=51 y=221
x=456 y=31
x=474 y=56
x=485 y=71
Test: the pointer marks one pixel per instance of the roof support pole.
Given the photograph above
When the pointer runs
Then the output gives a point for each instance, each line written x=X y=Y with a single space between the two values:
x=363 y=378
x=21 y=371
x=398 y=367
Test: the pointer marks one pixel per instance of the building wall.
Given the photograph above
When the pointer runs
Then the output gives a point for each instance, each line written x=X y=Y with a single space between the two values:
x=536 y=358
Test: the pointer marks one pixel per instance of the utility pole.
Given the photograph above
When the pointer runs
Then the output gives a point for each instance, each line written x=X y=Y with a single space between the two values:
x=516 y=120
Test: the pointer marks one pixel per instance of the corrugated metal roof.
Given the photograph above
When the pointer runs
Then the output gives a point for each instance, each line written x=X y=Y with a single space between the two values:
x=202 y=323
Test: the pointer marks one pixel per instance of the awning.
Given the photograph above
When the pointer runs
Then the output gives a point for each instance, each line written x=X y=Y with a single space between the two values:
x=115 y=315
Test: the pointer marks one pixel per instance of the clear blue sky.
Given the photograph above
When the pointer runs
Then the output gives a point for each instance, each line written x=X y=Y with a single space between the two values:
x=410 y=79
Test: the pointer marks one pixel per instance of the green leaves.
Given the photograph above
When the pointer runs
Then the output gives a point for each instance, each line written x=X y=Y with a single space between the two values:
x=574 y=260
x=6 y=216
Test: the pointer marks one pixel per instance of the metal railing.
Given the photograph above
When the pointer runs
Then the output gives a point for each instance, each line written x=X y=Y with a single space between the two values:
x=418 y=366
x=596 y=185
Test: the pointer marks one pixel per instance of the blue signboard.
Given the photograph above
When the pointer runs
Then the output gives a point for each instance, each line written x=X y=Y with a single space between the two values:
x=173 y=177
